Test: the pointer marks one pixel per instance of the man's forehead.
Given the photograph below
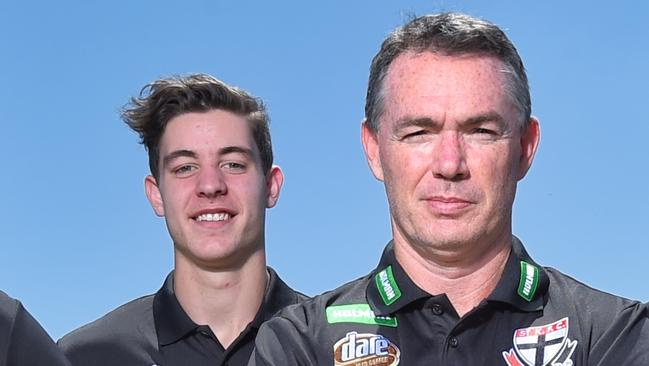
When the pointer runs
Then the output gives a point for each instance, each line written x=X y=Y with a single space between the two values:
x=444 y=68
x=210 y=131
x=424 y=82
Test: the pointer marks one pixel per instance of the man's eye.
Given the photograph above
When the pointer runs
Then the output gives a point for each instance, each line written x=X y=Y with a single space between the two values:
x=485 y=131
x=234 y=166
x=414 y=134
x=184 y=169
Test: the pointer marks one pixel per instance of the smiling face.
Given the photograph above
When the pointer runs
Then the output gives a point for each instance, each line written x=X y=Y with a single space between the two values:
x=450 y=152
x=212 y=190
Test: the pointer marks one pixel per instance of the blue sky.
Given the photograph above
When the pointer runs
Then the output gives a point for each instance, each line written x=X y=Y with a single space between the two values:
x=79 y=237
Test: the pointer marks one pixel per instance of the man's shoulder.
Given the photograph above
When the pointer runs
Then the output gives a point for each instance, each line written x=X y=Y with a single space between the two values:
x=126 y=333
x=613 y=329
x=566 y=289
x=594 y=309
x=8 y=309
x=280 y=294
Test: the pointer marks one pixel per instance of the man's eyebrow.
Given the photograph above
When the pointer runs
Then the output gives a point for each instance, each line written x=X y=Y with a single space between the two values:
x=178 y=154
x=191 y=154
x=410 y=121
x=486 y=117
x=427 y=122
x=236 y=150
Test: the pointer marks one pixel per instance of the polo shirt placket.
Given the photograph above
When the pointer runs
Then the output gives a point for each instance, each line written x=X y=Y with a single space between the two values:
x=429 y=324
x=183 y=342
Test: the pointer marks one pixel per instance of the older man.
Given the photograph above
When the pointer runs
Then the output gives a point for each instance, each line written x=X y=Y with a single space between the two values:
x=449 y=132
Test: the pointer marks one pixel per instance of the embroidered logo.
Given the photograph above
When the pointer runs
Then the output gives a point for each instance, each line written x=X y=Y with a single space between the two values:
x=387 y=286
x=357 y=313
x=529 y=281
x=542 y=345
x=365 y=349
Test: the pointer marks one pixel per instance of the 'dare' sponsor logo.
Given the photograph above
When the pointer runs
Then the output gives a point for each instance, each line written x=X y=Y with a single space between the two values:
x=365 y=349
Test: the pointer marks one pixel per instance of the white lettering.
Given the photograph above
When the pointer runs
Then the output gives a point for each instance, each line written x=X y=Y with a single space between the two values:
x=349 y=350
x=386 y=285
x=354 y=348
x=353 y=313
x=362 y=347
x=382 y=347
x=529 y=279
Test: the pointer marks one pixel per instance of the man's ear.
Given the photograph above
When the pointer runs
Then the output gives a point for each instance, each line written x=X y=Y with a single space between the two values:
x=369 y=138
x=274 y=181
x=153 y=195
x=530 y=137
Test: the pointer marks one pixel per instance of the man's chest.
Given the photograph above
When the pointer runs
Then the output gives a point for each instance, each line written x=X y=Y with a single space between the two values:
x=430 y=337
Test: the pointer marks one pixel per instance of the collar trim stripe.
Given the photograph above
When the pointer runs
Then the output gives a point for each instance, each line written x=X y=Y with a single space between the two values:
x=529 y=281
x=387 y=286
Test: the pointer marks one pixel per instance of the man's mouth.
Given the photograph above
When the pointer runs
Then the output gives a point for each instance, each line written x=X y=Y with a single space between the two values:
x=212 y=217
x=449 y=205
x=443 y=199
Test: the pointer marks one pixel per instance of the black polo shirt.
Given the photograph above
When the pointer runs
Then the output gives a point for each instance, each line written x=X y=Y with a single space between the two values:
x=535 y=316
x=23 y=342
x=155 y=330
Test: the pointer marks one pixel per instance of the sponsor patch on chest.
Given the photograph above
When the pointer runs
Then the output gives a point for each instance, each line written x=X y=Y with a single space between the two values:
x=357 y=313
x=542 y=345
x=365 y=349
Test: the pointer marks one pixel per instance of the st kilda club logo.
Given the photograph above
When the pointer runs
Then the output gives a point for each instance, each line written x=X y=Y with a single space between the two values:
x=542 y=345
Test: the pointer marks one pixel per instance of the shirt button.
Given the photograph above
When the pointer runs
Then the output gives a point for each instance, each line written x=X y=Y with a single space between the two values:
x=453 y=342
x=437 y=309
x=205 y=333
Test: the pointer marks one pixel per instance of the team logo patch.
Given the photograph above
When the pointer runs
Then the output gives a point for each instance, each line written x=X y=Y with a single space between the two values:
x=542 y=345
x=365 y=349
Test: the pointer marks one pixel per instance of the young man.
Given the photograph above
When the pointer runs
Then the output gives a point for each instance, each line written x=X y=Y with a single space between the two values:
x=448 y=131
x=23 y=342
x=212 y=178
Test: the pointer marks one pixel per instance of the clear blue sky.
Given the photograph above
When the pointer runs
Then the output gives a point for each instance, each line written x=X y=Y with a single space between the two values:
x=79 y=237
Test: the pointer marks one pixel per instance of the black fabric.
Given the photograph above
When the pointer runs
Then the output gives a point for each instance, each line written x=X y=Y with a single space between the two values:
x=23 y=342
x=155 y=330
x=562 y=322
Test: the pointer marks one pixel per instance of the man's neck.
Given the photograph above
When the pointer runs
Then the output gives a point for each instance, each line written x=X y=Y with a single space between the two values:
x=465 y=282
x=227 y=301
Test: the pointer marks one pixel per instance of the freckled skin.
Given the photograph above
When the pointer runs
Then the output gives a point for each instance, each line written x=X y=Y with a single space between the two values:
x=211 y=179
x=450 y=153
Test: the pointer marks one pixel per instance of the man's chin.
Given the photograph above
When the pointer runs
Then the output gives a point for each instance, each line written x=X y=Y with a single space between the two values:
x=445 y=240
x=207 y=254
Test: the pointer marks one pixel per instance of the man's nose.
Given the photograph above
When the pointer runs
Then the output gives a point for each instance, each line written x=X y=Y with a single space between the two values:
x=449 y=157
x=211 y=182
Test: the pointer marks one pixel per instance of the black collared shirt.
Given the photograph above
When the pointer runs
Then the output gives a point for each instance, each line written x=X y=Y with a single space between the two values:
x=23 y=342
x=535 y=316
x=155 y=330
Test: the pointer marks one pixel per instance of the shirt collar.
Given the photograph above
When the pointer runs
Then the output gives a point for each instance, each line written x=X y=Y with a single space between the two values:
x=524 y=283
x=172 y=323
x=390 y=289
x=278 y=295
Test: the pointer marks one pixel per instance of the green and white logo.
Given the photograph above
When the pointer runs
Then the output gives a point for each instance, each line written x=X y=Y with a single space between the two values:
x=529 y=281
x=357 y=313
x=387 y=286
